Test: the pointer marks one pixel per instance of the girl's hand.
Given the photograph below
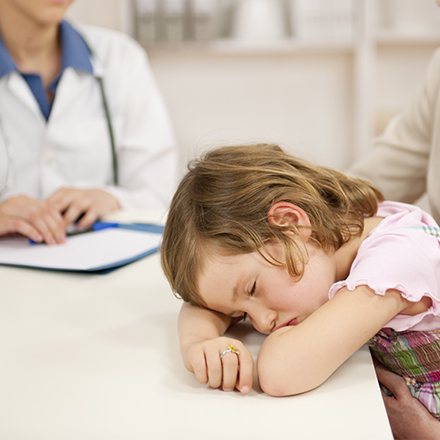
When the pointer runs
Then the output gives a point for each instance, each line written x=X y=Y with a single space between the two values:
x=89 y=204
x=228 y=372
x=33 y=218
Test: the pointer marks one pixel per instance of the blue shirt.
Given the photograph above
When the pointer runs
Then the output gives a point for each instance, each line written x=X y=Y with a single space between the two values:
x=75 y=53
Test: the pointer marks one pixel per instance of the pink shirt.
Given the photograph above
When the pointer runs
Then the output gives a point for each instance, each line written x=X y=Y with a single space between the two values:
x=399 y=254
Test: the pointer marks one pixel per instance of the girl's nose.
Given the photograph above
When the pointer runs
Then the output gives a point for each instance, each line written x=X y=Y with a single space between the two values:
x=263 y=319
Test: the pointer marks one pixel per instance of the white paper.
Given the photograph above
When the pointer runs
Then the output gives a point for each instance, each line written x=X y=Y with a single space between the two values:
x=92 y=251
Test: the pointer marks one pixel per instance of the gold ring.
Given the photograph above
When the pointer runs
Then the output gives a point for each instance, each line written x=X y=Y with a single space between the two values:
x=230 y=349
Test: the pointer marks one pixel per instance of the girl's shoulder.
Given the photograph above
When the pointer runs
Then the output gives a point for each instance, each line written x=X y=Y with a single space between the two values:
x=403 y=220
x=402 y=253
x=396 y=211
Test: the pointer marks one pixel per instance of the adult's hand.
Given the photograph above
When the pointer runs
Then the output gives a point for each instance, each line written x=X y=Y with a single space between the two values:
x=32 y=218
x=409 y=419
x=87 y=205
x=14 y=225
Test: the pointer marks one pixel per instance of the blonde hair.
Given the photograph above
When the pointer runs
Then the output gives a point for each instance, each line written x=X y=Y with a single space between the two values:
x=224 y=200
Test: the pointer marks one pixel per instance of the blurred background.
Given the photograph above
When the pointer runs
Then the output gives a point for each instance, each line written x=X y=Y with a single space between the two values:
x=320 y=77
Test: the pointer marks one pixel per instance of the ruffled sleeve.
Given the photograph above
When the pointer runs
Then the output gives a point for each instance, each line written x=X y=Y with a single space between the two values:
x=405 y=259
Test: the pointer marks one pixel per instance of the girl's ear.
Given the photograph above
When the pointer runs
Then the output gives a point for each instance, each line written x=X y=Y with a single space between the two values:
x=288 y=214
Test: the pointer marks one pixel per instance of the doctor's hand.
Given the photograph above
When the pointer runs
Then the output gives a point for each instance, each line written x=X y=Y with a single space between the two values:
x=33 y=218
x=409 y=419
x=212 y=363
x=87 y=205
x=10 y=225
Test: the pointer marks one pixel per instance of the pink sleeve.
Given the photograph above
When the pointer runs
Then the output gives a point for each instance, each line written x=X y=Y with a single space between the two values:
x=406 y=260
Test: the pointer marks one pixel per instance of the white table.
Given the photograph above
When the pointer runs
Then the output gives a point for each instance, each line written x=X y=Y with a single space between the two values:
x=96 y=357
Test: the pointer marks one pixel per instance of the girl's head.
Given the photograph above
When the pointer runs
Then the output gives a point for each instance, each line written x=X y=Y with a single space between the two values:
x=236 y=200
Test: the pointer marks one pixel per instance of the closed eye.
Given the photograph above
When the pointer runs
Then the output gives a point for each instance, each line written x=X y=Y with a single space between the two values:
x=250 y=293
x=254 y=287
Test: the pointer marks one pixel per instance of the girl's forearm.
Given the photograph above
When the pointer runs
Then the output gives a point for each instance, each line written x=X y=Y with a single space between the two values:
x=196 y=324
x=297 y=359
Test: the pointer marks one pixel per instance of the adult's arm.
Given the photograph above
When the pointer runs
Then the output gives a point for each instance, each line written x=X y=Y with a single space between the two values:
x=398 y=162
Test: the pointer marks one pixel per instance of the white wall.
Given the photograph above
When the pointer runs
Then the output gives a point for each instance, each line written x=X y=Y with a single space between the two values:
x=301 y=99
x=107 y=13
x=399 y=73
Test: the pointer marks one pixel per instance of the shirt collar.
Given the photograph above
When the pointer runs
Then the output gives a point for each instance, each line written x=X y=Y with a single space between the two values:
x=75 y=52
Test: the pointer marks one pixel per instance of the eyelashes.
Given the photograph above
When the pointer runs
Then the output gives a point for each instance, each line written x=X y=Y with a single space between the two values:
x=244 y=316
x=251 y=293
x=254 y=287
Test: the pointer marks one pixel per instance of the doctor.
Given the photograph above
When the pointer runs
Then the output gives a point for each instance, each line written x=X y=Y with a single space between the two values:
x=83 y=128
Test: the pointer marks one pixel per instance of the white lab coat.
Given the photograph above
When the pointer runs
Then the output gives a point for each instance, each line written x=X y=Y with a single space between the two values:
x=73 y=149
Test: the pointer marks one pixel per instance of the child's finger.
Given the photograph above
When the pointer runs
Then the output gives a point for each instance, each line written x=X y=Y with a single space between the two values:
x=230 y=371
x=246 y=372
x=199 y=368
x=214 y=367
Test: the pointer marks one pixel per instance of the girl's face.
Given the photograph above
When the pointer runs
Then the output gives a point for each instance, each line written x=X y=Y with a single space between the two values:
x=267 y=294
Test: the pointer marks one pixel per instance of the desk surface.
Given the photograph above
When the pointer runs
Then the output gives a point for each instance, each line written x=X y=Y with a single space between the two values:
x=96 y=357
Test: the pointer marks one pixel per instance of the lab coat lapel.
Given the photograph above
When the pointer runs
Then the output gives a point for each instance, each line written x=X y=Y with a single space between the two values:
x=67 y=91
x=18 y=87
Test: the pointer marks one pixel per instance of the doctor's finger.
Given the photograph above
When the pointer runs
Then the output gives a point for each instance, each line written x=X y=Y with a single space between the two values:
x=62 y=199
x=88 y=218
x=43 y=228
x=13 y=225
x=59 y=195
x=55 y=222
x=74 y=212
x=50 y=225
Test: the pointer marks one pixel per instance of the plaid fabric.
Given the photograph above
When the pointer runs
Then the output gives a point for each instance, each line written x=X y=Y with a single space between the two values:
x=431 y=230
x=414 y=355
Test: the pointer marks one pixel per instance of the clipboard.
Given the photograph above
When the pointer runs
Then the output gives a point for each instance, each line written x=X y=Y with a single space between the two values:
x=105 y=247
